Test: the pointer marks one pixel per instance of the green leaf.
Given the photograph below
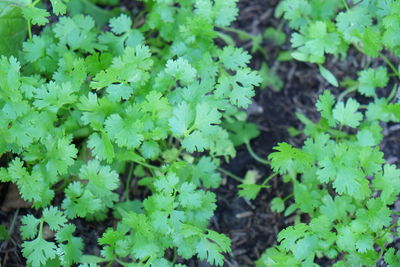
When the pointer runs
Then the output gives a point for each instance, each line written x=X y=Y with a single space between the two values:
x=167 y=183
x=181 y=119
x=277 y=204
x=372 y=41
x=388 y=182
x=53 y=96
x=60 y=155
x=324 y=106
x=209 y=251
x=234 y=58
x=100 y=15
x=377 y=215
x=295 y=11
x=249 y=191
x=225 y=12
x=392 y=258
x=101 y=146
x=29 y=228
x=126 y=132
x=59 y=7
x=243 y=83
x=181 y=70
x=352 y=23
x=328 y=76
x=241 y=132
x=120 y=24
x=38 y=251
x=54 y=218
x=365 y=243
x=37 y=16
x=314 y=41
x=102 y=178
x=370 y=79
x=289 y=159
x=189 y=197
x=276 y=35
x=347 y=114
x=12 y=25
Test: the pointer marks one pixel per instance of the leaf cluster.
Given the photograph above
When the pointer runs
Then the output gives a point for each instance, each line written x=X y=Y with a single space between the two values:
x=87 y=112
x=342 y=182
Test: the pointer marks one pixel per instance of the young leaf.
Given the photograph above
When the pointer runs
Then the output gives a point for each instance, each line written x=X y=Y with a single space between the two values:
x=328 y=76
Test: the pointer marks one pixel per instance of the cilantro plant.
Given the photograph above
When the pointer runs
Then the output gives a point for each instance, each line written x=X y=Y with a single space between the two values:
x=88 y=111
x=344 y=191
x=331 y=27
x=342 y=182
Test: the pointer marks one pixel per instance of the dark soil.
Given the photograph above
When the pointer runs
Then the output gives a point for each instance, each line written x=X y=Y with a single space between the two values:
x=251 y=225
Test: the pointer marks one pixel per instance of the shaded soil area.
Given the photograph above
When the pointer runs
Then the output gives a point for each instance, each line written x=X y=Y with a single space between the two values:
x=251 y=225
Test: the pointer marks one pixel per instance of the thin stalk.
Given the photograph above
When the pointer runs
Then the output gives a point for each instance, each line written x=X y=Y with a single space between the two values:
x=346 y=5
x=175 y=256
x=390 y=64
x=269 y=179
x=396 y=213
x=287 y=197
x=145 y=164
x=128 y=182
x=29 y=30
x=346 y=92
x=240 y=32
x=233 y=176
x=393 y=93
x=41 y=229
x=35 y=3
x=226 y=38
x=247 y=36
x=255 y=156
x=389 y=229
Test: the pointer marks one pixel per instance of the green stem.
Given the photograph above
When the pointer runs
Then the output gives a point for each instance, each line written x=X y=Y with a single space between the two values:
x=396 y=213
x=255 y=156
x=247 y=36
x=244 y=34
x=175 y=256
x=269 y=178
x=29 y=30
x=346 y=92
x=233 y=176
x=123 y=263
x=128 y=182
x=389 y=228
x=35 y=3
x=145 y=164
x=41 y=229
x=287 y=197
x=346 y=5
x=390 y=64
x=226 y=38
x=393 y=93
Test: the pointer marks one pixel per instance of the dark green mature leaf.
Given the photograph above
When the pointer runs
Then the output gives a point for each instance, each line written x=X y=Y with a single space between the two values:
x=13 y=28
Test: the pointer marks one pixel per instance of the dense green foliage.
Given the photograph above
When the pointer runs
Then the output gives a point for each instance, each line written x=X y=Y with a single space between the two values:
x=344 y=190
x=331 y=27
x=109 y=114
x=85 y=110
x=342 y=182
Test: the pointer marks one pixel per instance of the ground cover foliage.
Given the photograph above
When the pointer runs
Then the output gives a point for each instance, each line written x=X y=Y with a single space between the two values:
x=339 y=176
x=98 y=102
x=83 y=101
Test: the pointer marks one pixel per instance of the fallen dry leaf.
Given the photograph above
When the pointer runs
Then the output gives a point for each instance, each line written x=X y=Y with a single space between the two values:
x=13 y=200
